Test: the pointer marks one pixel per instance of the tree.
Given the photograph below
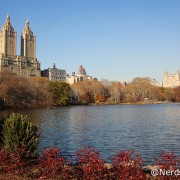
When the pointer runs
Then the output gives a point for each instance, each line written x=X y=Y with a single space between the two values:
x=138 y=89
x=20 y=92
x=18 y=131
x=83 y=91
x=177 y=93
x=60 y=92
x=167 y=94
x=39 y=88
x=116 y=92
x=89 y=91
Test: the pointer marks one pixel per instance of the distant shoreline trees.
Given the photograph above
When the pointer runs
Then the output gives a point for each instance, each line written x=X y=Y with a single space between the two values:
x=18 y=92
x=138 y=91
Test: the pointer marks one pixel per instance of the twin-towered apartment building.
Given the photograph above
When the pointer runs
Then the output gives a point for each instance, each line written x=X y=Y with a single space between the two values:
x=26 y=64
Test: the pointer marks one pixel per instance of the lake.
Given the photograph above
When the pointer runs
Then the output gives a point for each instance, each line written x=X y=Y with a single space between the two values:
x=147 y=129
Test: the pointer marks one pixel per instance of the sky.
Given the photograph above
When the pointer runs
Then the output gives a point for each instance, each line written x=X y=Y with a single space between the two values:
x=112 y=39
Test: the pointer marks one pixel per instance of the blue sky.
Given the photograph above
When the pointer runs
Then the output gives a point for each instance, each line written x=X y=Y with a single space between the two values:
x=112 y=39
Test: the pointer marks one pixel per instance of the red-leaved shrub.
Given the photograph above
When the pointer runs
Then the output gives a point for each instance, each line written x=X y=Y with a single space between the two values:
x=125 y=166
x=168 y=160
x=90 y=165
x=51 y=164
x=12 y=161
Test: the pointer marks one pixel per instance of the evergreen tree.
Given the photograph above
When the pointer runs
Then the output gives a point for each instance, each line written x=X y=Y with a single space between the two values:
x=18 y=131
x=60 y=92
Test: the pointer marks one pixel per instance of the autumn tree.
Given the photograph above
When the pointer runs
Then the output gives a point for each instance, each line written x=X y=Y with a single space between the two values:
x=138 y=89
x=177 y=93
x=115 y=90
x=20 y=92
x=83 y=92
x=39 y=87
x=167 y=94
x=12 y=89
x=89 y=91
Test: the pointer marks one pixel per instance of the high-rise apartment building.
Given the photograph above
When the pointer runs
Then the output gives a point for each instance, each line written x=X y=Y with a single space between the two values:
x=26 y=64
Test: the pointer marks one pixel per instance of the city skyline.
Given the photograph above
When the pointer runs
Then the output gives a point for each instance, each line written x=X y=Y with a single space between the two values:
x=114 y=40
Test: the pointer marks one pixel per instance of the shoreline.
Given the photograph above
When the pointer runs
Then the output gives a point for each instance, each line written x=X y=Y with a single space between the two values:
x=135 y=103
x=90 y=104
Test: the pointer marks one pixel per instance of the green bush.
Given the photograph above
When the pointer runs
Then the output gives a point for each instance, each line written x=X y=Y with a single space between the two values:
x=18 y=131
x=2 y=119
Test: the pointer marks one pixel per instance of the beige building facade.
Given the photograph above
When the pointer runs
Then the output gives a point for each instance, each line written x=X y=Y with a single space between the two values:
x=25 y=65
x=82 y=76
x=171 y=80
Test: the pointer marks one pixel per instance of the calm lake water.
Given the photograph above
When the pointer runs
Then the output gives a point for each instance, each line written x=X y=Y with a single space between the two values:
x=147 y=129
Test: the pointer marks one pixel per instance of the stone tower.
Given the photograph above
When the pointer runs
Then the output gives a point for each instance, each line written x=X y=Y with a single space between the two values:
x=81 y=71
x=8 y=39
x=28 y=43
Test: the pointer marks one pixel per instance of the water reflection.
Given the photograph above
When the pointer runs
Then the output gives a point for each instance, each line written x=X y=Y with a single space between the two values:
x=147 y=129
